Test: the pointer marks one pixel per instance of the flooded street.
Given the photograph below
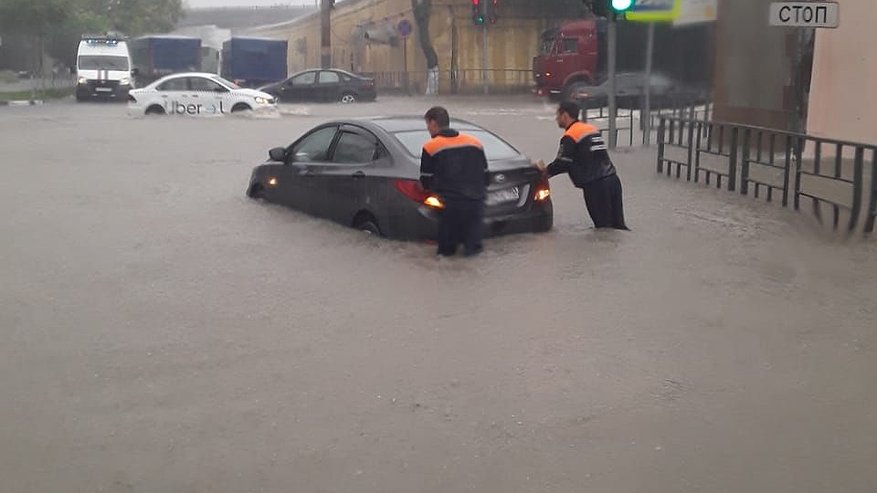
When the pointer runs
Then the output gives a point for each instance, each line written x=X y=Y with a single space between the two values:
x=160 y=332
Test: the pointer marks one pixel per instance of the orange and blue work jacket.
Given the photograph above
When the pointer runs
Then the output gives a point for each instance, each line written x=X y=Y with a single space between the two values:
x=583 y=155
x=454 y=166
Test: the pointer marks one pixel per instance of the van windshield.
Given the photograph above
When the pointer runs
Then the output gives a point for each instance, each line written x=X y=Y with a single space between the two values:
x=103 y=62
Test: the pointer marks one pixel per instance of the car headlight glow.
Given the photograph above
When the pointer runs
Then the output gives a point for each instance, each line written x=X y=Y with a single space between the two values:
x=82 y=80
x=124 y=81
x=261 y=100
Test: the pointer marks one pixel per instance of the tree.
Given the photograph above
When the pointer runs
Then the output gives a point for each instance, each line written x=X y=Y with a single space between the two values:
x=422 y=11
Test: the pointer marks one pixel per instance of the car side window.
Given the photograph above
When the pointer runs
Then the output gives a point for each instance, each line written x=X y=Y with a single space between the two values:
x=354 y=149
x=304 y=79
x=570 y=45
x=314 y=148
x=329 y=78
x=179 y=84
x=204 y=85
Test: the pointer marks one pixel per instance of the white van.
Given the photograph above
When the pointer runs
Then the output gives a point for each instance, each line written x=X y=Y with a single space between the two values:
x=103 y=68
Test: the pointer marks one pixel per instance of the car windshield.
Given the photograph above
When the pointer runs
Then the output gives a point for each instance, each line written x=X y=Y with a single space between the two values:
x=103 y=62
x=495 y=148
x=226 y=83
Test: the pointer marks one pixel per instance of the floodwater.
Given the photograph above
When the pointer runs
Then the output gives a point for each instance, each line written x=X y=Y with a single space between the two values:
x=160 y=332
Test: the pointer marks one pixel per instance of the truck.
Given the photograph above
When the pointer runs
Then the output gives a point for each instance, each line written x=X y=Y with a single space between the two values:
x=254 y=62
x=575 y=53
x=103 y=68
x=160 y=55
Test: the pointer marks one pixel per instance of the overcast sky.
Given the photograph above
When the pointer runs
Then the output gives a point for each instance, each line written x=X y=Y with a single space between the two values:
x=245 y=3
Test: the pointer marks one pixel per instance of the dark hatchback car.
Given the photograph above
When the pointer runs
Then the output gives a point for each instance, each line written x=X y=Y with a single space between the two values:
x=325 y=86
x=365 y=174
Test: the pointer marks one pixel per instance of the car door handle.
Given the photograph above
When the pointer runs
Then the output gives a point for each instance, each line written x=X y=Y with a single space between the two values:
x=358 y=175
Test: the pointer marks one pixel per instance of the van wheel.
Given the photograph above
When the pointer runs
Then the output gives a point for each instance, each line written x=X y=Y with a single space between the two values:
x=155 y=110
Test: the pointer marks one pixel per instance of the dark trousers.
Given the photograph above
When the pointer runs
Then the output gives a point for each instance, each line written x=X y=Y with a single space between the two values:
x=604 y=201
x=461 y=221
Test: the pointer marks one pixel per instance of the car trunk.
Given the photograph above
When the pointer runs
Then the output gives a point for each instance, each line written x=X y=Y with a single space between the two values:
x=511 y=186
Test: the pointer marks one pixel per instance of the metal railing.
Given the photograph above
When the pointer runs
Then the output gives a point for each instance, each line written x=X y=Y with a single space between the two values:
x=630 y=123
x=834 y=175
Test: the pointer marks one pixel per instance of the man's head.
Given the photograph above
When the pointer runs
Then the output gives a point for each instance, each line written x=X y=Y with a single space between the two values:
x=437 y=118
x=567 y=113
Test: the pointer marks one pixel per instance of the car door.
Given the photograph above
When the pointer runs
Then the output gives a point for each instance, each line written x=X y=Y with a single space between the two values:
x=173 y=95
x=329 y=86
x=300 y=87
x=207 y=95
x=351 y=182
x=306 y=157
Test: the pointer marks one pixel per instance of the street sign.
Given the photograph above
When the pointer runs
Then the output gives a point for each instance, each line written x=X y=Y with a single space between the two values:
x=654 y=11
x=404 y=28
x=805 y=14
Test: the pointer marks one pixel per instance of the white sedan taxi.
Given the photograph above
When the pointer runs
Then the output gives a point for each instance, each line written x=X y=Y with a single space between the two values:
x=197 y=94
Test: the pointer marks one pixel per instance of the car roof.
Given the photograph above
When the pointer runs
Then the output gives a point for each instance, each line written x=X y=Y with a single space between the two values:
x=409 y=123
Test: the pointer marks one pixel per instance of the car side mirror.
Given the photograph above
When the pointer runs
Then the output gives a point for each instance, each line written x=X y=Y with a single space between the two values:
x=135 y=71
x=278 y=154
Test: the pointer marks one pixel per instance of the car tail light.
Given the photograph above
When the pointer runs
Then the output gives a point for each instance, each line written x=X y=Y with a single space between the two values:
x=414 y=191
x=542 y=191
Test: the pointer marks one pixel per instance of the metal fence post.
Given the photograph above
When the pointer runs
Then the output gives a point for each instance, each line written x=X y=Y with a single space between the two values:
x=732 y=161
x=690 y=148
x=744 y=168
x=858 y=178
x=787 y=170
x=799 y=156
x=872 y=212
x=662 y=128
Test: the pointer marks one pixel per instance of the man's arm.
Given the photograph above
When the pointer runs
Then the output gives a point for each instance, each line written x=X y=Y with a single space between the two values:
x=427 y=169
x=565 y=157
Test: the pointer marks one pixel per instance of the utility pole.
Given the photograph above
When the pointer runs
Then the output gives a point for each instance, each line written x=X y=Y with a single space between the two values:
x=646 y=114
x=326 y=33
x=484 y=46
x=613 y=107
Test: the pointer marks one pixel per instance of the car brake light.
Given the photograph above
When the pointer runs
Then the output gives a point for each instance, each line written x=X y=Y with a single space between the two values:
x=543 y=191
x=414 y=191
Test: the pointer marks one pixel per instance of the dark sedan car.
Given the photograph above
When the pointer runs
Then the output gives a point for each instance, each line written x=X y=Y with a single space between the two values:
x=365 y=174
x=330 y=85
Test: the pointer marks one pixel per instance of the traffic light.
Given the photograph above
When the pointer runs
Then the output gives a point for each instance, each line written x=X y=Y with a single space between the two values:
x=621 y=6
x=477 y=14
x=494 y=11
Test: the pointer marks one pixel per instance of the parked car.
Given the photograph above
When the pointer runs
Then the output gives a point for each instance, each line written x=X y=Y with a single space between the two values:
x=365 y=174
x=196 y=94
x=330 y=85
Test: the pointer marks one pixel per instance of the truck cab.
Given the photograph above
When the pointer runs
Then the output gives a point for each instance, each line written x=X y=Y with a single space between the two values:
x=103 y=68
x=568 y=54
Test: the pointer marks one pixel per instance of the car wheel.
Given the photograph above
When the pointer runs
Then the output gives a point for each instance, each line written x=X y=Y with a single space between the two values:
x=367 y=224
x=241 y=107
x=155 y=110
x=348 y=98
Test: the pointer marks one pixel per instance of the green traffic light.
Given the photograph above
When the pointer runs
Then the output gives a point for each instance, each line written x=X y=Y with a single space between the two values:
x=621 y=5
x=479 y=20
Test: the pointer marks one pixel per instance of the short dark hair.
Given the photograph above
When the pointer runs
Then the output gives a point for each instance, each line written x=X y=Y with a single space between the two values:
x=571 y=108
x=438 y=115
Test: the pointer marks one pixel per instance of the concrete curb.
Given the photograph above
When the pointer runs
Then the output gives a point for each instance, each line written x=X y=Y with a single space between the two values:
x=23 y=102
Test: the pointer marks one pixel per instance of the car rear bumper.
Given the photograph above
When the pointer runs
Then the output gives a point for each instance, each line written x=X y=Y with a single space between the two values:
x=423 y=225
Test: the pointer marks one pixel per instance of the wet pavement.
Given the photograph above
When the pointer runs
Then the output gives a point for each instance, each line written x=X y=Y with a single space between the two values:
x=160 y=332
